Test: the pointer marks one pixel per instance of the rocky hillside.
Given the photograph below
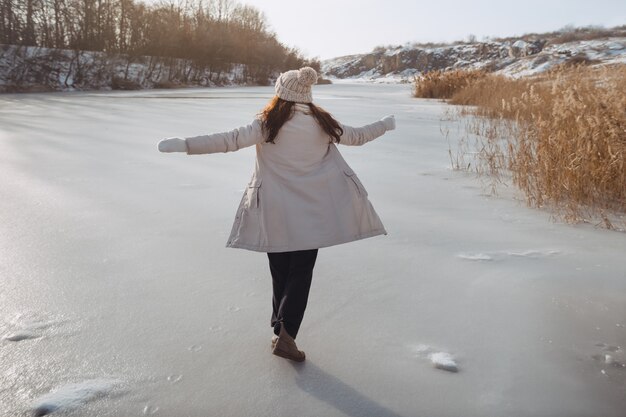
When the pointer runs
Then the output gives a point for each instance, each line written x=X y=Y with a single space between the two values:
x=513 y=57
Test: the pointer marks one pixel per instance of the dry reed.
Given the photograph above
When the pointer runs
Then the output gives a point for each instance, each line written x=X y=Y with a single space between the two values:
x=444 y=84
x=561 y=137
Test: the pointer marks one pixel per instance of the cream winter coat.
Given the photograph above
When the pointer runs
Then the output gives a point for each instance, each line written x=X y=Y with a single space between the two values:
x=302 y=195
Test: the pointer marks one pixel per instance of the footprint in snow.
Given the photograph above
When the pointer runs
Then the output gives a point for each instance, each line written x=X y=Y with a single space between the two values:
x=195 y=348
x=149 y=410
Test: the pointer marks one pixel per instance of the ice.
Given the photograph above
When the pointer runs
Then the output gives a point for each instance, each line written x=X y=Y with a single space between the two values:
x=71 y=396
x=82 y=182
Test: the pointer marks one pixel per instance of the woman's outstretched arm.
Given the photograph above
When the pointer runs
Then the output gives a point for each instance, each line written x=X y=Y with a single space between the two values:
x=218 y=142
x=357 y=136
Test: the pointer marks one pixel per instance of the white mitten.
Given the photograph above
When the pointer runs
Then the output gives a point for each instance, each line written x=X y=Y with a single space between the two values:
x=389 y=121
x=173 y=145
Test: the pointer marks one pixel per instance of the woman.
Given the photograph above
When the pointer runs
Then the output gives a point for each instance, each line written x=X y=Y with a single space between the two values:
x=302 y=196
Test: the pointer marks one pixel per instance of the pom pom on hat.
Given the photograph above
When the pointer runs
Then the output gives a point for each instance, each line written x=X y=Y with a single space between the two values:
x=295 y=85
x=307 y=76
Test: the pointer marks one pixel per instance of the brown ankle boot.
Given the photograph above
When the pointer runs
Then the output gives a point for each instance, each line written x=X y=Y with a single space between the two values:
x=285 y=347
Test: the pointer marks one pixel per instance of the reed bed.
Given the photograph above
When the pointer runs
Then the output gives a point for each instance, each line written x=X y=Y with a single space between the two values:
x=444 y=84
x=559 y=137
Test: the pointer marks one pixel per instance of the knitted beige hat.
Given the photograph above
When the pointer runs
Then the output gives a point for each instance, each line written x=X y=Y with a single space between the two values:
x=295 y=85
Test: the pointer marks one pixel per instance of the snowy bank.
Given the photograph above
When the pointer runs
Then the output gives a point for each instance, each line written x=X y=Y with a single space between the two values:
x=24 y=69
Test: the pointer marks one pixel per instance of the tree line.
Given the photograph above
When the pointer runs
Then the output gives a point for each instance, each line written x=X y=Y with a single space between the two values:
x=212 y=33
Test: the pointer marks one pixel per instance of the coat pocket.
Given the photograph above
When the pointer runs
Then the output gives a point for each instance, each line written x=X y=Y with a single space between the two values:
x=352 y=178
x=252 y=195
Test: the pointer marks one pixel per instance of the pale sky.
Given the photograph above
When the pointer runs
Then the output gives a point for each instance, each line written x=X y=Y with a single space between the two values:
x=331 y=28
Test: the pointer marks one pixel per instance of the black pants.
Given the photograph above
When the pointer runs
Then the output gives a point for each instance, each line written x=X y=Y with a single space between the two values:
x=291 y=281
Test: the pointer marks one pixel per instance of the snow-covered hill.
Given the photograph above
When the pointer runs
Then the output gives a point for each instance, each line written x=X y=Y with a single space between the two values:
x=513 y=58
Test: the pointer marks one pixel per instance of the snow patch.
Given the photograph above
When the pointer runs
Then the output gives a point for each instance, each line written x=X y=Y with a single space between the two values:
x=440 y=359
x=443 y=360
x=520 y=44
x=32 y=326
x=71 y=396
x=475 y=256
x=21 y=335
x=534 y=253
x=500 y=255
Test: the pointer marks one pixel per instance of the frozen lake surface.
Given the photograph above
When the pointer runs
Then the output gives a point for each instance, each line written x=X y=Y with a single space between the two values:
x=118 y=297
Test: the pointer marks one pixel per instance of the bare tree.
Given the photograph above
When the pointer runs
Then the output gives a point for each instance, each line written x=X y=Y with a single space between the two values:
x=210 y=34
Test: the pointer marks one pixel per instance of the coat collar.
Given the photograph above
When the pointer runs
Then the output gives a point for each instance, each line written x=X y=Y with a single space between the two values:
x=302 y=107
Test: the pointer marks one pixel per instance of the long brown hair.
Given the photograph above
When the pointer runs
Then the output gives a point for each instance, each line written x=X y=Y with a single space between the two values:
x=278 y=111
